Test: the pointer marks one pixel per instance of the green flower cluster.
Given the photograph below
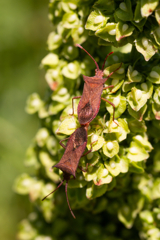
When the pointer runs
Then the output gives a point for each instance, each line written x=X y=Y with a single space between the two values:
x=119 y=195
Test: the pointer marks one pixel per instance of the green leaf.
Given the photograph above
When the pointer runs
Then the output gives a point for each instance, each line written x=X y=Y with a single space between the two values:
x=147 y=87
x=68 y=125
x=156 y=110
x=137 y=99
x=100 y=206
x=123 y=30
x=107 y=7
x=127 y=86
x=34 y=103
x=72 y=70
x=79 y=182
x=128 y=212
x=70 y=52
x=55 y=108
x=119 y=103
x=146 y=216
x=27 y=230
x=51 y=60
x=116 y=83
x=154 y=75
x=102 y=176
x=137 y=114
x=136 y=152
x=31 y=157
x=155 y=189
x=147 y=7
x=92 y=158
x=157 y=15
x=52 y=145
x=98 y=142
x=94 y=191
x=143 y=141
x=124 y=12
x=43 y=111
x=60 y=95
x=23 y=184
x=134 y=75
x=69 y=110
x=54 y=41
x=119 y=74
x=42 y=136
x=107 y=33
x=79 y=34
x=136 y=167
x=54 y=78
x=110 y=148
x=137 y=14
x=121 y=130
x=145 y=47
x=156 y=34
x=70 y=20
x=96 y=20
x=136 y=126
x=116 y=165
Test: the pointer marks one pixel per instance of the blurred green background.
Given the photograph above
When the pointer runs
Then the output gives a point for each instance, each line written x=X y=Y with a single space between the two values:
x=24 y=27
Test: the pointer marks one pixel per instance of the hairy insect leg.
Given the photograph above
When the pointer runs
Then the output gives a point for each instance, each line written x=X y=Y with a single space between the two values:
x=62 y=143
x=68 y=200
x=112 y=106
x=90 y=149
x=111 y=86
x=82 y=169
x=53 y=190
x=73 y=104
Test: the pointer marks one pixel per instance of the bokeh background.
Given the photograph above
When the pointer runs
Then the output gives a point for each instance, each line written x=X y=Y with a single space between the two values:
x=24 y=27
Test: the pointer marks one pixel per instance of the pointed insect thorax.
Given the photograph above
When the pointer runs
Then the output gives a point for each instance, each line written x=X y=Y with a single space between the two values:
x=66 y=177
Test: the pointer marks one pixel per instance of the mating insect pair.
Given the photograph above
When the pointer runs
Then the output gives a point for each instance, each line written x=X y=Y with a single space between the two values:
x=88 y=109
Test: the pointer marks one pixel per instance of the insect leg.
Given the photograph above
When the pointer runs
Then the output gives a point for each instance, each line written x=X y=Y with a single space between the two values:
x=82 y=169
x=62 y=143
x=111 y=86
x=114 y=71
x=112 y=106
x=90 y=149
x=73 y=104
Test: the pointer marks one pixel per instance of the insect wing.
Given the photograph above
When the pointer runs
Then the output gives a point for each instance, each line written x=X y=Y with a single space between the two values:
x=74 y=150
x=70 y=160
x=90 y=102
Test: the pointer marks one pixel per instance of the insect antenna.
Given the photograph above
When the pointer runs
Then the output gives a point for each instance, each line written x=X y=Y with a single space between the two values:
x=106 y=60
x=78 y=45
x=54 y=190
x=114 y=71
x=68 y=200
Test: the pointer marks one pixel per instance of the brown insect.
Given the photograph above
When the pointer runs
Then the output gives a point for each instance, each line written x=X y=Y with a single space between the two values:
x=71 y=157
x=89 y=104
